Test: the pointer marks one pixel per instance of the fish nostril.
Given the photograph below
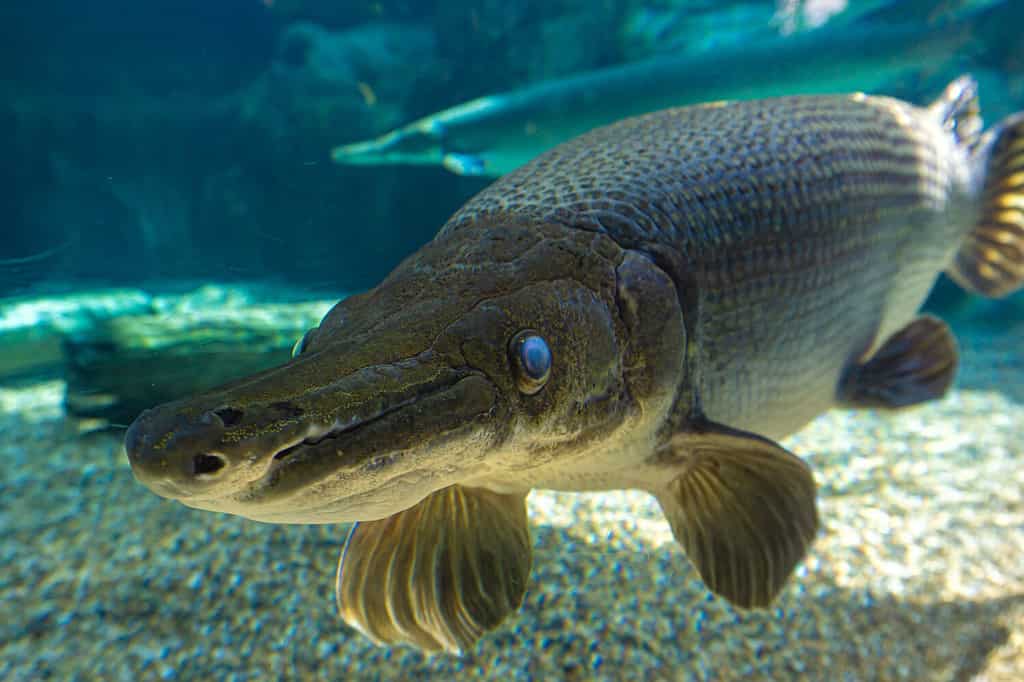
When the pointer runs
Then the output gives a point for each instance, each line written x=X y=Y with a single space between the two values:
x=229 y=415
x=204 y=465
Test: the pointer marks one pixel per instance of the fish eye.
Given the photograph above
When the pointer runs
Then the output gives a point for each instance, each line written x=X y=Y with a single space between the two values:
x=531 y=360
x=300 y=345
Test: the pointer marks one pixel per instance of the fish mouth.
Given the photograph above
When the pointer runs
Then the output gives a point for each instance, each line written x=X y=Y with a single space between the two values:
x=330 y=436
x=360 y=467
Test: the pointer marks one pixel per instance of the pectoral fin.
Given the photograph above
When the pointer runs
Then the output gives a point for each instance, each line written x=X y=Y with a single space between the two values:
x=914 y=365
x=439 y=574
x=743 y=508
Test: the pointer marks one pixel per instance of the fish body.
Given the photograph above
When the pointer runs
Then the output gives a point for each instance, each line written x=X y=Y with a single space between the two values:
x=651 y=305
x=778 y=306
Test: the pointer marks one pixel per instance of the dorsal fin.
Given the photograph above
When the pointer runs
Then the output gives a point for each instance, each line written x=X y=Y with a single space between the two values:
x=957 y=109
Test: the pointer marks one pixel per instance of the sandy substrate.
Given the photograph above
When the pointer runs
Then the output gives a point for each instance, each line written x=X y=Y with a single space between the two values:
x=918 y=573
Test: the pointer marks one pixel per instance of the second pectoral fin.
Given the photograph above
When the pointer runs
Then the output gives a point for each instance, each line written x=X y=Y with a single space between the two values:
x=914 y=365
x=744 y=509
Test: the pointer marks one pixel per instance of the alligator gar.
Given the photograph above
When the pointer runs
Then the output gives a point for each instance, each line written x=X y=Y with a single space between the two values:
x=494 y=134
x=653 y=306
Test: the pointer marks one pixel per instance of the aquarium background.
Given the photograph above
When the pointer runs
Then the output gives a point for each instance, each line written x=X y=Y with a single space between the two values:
x=170 y=216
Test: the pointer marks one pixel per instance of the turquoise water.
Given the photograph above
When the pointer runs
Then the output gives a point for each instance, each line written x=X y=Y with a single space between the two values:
x=177 y=213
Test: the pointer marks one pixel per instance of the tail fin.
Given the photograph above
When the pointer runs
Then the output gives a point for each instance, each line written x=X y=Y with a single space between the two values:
x=991 y=259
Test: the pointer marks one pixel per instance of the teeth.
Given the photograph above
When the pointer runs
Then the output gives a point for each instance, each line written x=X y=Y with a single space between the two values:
x=317 y=439
x=317 y=433
x=314 y=434
x=380 y=462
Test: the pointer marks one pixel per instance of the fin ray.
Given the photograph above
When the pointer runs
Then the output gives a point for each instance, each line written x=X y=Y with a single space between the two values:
x=958 y=110
x=743 y=508
x=914 y=365
x=437 y=575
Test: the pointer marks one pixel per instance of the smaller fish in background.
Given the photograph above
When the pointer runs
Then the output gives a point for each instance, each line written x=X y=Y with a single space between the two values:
x=495 y=134
x=653 y=305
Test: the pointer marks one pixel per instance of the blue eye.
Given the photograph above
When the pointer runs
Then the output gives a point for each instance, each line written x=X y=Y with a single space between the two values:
x=531 y=358
x=535 y=357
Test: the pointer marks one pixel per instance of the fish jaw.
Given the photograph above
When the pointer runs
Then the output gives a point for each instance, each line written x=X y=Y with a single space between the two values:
x=364 y=446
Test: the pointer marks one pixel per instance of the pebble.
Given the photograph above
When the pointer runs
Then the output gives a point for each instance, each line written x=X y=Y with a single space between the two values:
x=917 y=575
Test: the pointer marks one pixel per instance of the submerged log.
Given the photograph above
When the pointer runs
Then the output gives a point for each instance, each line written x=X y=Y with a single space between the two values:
x=121 y=366
x=32 y=327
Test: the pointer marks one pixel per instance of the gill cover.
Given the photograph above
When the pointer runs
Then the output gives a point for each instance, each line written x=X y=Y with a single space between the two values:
x=655 y=348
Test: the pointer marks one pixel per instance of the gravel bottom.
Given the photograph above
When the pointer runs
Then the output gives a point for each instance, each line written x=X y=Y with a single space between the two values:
x=918 y=573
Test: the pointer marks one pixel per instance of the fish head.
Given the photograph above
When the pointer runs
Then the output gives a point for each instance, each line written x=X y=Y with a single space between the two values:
x=488 y=350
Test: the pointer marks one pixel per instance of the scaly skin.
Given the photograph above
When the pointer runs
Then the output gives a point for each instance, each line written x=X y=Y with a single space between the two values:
x=800 y=232
x=728 y=260
x=650 y=305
